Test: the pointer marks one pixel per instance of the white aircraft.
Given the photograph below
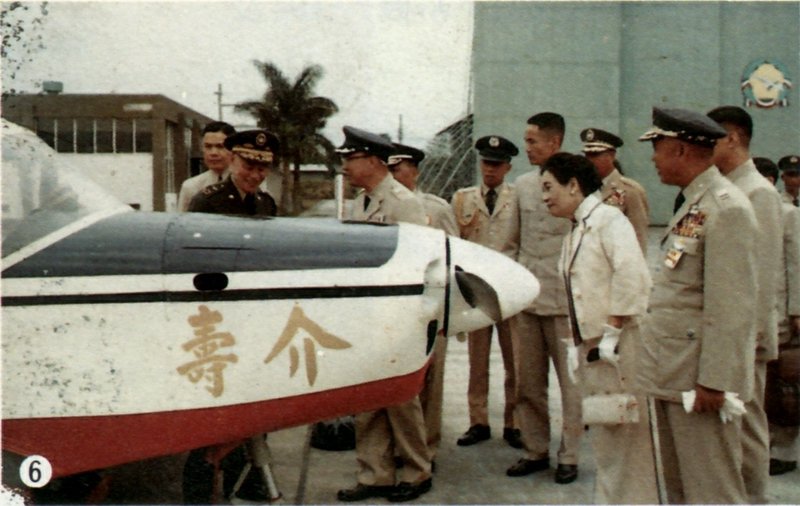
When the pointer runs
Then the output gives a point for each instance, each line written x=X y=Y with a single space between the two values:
x=129 y=335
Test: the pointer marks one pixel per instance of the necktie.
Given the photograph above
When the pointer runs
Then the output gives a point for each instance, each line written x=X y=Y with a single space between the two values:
x=250 y=203
x=679 y=200
x=366 y=202
x=796 y=202
x=491 y=198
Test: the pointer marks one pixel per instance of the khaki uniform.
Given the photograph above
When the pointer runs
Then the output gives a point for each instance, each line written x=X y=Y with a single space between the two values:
x=768 y=242
x=538 y=332
x=395 y=429
x=700 y=330
x=609 y=276
x=499 y=231
x=629 y=197
x=389 y=202
x=439 y=215
x=784 y=440
x=195 y=184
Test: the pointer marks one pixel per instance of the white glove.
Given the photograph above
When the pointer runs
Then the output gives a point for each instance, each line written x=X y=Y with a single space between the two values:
x=731 y=408
x=608 y=343
x=572 y=359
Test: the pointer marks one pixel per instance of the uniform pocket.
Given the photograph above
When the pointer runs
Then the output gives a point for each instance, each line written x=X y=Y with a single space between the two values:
x=684 y=260
x=678 y=361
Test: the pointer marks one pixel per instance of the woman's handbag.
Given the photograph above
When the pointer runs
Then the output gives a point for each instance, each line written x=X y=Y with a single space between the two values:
x=609 y=408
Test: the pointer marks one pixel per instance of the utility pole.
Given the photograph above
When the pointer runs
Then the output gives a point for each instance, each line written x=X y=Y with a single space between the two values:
x=400 y=130
x=218 y=93
x=220 y=105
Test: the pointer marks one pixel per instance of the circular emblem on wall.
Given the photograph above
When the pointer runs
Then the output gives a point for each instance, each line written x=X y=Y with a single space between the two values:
x=765 y=84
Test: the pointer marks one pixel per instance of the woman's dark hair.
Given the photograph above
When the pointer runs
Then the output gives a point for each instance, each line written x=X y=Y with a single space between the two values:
x=565 y=166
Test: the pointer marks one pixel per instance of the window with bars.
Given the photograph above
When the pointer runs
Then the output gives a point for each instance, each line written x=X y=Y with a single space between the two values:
x=90 y=135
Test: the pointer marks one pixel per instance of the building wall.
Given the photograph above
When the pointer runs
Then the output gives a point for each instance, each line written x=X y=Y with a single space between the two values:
x=128 y=177
x=606 y=64
x=171 y=137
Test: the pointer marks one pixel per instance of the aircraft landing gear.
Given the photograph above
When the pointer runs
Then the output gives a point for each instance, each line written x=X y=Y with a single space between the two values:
x=239 y=475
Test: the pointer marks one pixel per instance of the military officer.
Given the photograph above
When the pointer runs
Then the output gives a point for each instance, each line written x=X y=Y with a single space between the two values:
x=732 y=158
x=216 y=158
x=404 y=166
x=487 y=214
x=784 y=438
x=239 y=194
x=600 y=147
x=542 y=332
x=395 y=429
x=698 y=336
x=253 y=152
x=790 y=175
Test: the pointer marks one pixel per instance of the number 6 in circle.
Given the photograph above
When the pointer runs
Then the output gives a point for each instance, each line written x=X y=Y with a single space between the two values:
x=35 y=471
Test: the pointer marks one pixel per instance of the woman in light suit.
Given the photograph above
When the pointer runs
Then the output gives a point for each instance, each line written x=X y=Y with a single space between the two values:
x=607 y=283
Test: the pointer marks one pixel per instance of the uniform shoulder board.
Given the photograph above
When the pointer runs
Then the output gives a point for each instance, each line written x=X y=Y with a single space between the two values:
x=435 y=198
x=214 y=188
x=467 y=189
x=631 y=183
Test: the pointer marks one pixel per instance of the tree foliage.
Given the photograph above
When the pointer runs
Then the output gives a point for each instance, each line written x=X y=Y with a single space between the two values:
x=21 y=24
x=296 y=115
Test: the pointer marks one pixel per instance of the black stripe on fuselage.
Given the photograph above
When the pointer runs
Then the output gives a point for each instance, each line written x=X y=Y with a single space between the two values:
x=325 y=292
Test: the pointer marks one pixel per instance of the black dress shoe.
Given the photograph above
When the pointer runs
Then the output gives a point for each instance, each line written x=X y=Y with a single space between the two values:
x=513 y=437
x=361 y=492
x=778 y=467
x=475 y=434
x=405 y=491
x=566 y=473
x=524 y=467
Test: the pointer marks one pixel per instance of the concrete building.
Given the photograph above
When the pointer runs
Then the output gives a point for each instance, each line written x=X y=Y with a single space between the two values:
x=139 y=147
x=606 y=64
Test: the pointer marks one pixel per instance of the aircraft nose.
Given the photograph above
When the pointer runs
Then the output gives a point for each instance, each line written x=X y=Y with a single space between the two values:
x=487 y=286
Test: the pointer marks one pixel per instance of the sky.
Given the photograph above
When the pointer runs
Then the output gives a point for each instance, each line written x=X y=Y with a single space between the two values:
x=380 y=59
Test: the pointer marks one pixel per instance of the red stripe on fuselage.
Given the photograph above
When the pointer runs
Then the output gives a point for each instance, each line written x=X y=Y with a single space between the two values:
x=83 y=443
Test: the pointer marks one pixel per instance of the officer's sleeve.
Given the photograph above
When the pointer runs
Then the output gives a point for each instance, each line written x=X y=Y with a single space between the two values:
x=630 y=277
x=769 y=237
x=447 y=221
x=638 y=213
x=411 y=210
x=727 y=354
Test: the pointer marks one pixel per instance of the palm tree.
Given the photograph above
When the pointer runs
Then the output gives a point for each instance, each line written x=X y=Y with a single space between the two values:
x=296 y=116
